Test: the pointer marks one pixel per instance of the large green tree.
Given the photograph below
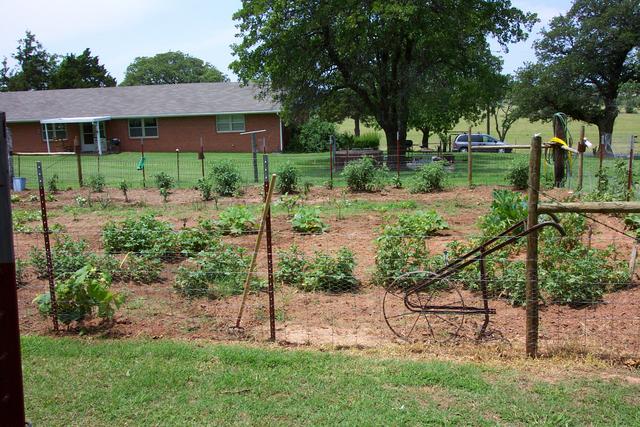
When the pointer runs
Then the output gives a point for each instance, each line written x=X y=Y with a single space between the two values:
x=34 y=66
x=299 y=51
x=81 y=71
x=170 y=68
x=582 y=60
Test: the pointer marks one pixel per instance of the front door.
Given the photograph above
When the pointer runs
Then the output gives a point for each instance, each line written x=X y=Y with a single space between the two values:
x=89 y=137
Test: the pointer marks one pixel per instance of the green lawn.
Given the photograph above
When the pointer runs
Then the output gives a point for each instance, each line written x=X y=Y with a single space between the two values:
x=82 y=382
x=522 y=131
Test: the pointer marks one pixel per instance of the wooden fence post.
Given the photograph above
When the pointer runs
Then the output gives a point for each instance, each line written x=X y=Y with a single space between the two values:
x=11 y=389
x=532 y=249
x=469 y=160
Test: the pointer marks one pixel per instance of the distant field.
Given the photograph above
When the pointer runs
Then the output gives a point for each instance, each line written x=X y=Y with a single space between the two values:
x=523 y=129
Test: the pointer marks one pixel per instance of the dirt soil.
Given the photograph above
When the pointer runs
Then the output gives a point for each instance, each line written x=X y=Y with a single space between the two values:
x=343 y=319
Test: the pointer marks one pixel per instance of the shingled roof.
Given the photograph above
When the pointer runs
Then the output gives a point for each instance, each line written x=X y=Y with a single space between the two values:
x=189 y=99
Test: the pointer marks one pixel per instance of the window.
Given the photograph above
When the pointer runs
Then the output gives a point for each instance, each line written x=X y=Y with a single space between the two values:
x=230 y=123
x=54 y=130
x=143 y=128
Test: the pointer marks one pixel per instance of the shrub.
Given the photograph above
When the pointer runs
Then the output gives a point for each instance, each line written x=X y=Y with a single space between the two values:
x=236 y=220
x=292 y=265
x=164 y=180
x=363 y=175
x=429 y=178
x=287 y=178
x=205 y=186
x=124 y=187
x=225 y=178
x=145 y=235
x=67 y=256
x=86 y=293
x=307 y=220
x=518 y=175
x=331 y=274
x=312 y=136
x=366 y=140
x=218 y=272
x=344 y=140
x=53 y=183
x=97 y=183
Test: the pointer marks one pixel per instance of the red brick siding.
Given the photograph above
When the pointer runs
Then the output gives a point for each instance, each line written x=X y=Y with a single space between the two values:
x=173 y=132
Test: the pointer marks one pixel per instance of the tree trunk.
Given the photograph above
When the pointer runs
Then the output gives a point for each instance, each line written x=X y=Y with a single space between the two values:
x=356 y=125
x=396 y=156
x=605 y=131
x=425 y=137
x=488 y=120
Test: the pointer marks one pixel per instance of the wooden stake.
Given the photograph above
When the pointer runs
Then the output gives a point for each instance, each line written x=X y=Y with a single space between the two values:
x=256 y=248
x=630 y=174
x=532 y=320
x=469 y=160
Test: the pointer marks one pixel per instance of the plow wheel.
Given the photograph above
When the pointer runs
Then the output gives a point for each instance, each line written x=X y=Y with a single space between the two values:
x=413 y=324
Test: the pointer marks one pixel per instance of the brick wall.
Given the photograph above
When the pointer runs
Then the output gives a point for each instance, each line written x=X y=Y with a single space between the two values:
x=173 y=132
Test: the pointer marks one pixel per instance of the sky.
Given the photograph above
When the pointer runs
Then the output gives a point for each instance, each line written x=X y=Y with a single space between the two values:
x=120 y=30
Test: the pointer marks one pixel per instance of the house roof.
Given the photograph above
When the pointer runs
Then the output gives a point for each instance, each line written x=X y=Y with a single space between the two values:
x=188 y=99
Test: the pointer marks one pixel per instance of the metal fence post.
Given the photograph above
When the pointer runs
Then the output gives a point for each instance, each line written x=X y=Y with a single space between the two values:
x=178 y=166
x=272 y=311
x=581 y=149
x=76 y=146
x=469 y=160
x=47 y=247
x=254 y=153
x=11 y=388
x=630 y=176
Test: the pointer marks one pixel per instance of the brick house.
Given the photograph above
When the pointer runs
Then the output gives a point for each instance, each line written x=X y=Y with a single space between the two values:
x=165 y=117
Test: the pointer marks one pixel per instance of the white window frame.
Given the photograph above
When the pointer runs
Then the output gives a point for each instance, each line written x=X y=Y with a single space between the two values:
x=230 y=123
x=53 y=130
x=143 y=128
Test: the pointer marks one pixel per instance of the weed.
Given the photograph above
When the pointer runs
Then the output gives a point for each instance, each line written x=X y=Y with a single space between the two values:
x=124 y=187
x=53 y=183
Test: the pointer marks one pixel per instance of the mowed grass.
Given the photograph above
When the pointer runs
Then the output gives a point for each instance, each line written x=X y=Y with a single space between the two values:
x=522 y=131
x=81 y=382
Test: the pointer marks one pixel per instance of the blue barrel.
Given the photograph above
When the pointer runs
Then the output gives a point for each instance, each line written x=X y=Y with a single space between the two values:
x=19 y=184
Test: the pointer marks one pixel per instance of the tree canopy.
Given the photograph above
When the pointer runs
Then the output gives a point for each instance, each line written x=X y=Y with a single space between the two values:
x=37 y=69
x=583 y=59
x=302 y=51
x=170 y=68
x=34 y=69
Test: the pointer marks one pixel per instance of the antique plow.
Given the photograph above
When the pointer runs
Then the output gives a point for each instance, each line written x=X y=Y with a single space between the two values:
x=429 y=306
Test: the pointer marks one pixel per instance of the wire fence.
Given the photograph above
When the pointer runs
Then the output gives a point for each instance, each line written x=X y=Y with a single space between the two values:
x=337 y=302
x=314 y=169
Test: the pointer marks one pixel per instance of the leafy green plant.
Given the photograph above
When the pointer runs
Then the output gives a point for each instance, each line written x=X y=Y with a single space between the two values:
x=236 y=220
x=145 y=235
x=81 y=201
x=67 y=256
x=364 y=175
x=225 y=177
x=124 y=187
x=195 y=239
x=164 y=180
x=97 y=183
x=15 y=198
x=205 y=186
x=215 y=273
x=290 y=202
x=507 y=209
x=139 y=269
x=292 y=265
x=518 y=175
x=20 y=273
x=85 y=294
x=53 y=183
x=20 y=218
x=331 y=274
x=307 y=220
x=428 y=178
x=287 y=178
x=419 y=224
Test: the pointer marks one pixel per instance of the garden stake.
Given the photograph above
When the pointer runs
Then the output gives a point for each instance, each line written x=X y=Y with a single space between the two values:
x=11 y=388
x=76 y=146
x=47 y=248
x=254 y=154
x=254 y=258
x=531 y=291
x=272 y=310
x=581 y=149
x=331 y=151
